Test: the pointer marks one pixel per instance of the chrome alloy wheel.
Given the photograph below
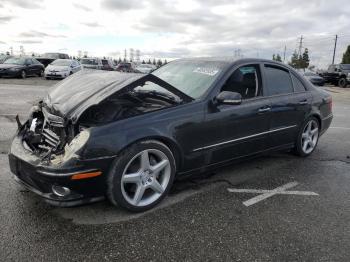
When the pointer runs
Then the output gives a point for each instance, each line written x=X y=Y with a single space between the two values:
x=145 y=177
x=309 y=137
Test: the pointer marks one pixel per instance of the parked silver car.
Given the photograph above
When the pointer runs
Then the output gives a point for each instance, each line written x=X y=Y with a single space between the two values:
x=61 y=68
x=91 y=63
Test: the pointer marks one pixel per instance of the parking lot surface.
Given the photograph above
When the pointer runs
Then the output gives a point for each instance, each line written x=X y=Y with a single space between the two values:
x=203 y=219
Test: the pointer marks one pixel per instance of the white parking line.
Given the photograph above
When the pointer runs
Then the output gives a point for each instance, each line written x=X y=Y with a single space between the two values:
x=269 y=193
x=340 y=127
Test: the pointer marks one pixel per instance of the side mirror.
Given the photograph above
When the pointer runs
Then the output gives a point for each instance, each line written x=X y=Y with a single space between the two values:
x=229 y=98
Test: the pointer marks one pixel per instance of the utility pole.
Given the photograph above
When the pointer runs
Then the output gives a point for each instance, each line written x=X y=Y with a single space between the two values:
x=284 y=53
x=335 y=47
x=300 y=46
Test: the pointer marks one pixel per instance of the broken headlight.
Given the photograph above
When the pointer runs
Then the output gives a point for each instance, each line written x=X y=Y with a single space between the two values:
x=76 y=144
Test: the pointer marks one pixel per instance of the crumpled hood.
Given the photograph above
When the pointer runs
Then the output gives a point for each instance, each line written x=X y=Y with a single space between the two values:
x=70 y=97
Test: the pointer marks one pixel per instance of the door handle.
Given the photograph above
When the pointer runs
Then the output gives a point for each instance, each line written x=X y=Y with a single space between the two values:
x=264 y=109
x=303 y=102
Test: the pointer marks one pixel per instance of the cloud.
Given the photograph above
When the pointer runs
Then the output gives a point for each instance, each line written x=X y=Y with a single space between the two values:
x=35 y=34
x=29 y=41
x=82 y=7
x=5 y=19
x=122 y=5
x=2 y=43
x=27 y=4
x=92 y=24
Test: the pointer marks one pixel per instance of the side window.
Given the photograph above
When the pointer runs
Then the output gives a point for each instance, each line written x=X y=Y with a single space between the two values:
x=28 y=61
x=278 y=80
x=298 y=85
x=246 y=80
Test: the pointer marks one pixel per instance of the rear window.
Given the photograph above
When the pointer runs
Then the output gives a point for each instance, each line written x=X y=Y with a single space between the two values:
x=278 y=80
x=298 y=85
x=89 y=62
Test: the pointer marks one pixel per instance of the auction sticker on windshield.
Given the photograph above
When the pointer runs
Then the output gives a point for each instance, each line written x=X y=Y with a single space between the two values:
x=206 y=70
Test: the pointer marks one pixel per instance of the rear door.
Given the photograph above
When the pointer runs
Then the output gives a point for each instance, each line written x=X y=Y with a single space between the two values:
x=287 y=105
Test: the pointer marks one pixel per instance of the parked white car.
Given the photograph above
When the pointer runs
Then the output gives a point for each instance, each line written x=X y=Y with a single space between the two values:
x=61 y=68
x=92 y=63
x=145 y=68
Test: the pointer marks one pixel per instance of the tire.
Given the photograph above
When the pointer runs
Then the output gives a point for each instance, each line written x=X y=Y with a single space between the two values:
x=307 y=138
x=41 y=73
x=23 y=74
x=342 y=82
x=138 y=185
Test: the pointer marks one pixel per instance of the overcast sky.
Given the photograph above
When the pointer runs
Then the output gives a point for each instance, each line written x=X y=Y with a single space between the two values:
x=176 y=28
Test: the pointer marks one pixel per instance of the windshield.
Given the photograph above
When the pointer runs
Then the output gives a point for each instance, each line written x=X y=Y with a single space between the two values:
x=191 y=77
x=88 y=62
x=61 y=62
x=345 y=66
x=15 y=60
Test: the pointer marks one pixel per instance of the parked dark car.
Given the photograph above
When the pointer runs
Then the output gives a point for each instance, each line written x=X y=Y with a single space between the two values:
x=314 y=78
x=48 y=58
x=338 y=75
x=127 y=136
x=125 y=67
x=21 y=67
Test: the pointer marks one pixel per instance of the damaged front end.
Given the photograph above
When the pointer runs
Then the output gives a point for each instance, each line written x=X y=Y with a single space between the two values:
x=48 y=154
x=50 y=137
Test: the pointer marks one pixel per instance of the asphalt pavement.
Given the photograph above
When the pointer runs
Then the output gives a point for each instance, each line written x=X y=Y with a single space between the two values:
x=202 y=219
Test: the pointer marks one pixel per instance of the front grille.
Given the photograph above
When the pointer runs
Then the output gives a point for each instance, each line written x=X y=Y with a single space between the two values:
x=50 y=138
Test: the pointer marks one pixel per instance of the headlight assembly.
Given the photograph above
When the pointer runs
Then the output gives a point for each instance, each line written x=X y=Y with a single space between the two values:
x=75 y=145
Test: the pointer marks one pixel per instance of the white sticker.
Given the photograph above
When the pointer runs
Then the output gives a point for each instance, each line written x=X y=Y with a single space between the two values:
x=206 y=71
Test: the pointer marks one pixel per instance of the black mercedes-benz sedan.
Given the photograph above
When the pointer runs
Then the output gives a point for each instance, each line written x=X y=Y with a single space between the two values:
x=127 y=136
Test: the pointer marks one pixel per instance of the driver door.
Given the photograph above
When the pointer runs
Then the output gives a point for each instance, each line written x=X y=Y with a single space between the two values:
x=234 y=131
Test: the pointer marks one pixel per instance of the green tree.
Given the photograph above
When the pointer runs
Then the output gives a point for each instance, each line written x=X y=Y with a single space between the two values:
x=143 y=62
x=154 y=61
x=278 y=58
x=346 y=56
x=159 y=63
x=305 y=60
x=165 y=62
x=119 y=60
x=149 y=61
x=294 y=62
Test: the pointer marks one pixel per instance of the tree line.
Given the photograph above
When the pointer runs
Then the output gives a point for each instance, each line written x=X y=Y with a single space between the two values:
x=302 y=61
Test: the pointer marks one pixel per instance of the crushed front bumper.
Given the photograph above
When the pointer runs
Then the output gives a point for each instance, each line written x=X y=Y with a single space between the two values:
x=40 y=177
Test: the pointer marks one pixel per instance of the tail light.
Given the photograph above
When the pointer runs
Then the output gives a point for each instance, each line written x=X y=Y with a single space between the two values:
x=330 y=104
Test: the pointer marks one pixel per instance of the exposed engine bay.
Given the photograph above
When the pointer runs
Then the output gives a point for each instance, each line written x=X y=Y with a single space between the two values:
x=49 y=136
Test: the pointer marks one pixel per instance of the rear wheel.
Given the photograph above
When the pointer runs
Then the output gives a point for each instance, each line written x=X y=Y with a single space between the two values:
x=41 y=73
x=307 y=138
x=342 y=82
x=142 y=176
x=23 y=74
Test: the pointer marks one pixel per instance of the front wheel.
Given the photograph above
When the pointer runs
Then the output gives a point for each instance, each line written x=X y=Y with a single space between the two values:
x=307 y=138
x=142 y=176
